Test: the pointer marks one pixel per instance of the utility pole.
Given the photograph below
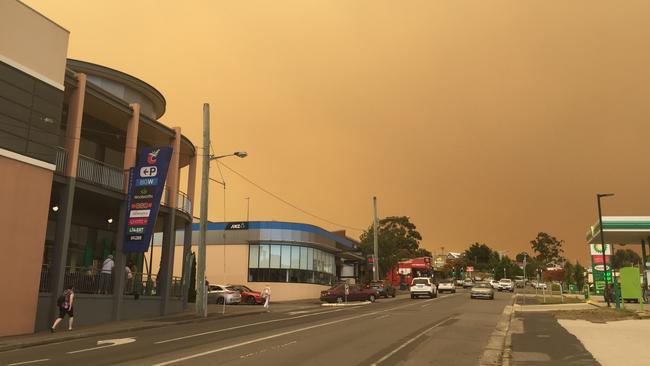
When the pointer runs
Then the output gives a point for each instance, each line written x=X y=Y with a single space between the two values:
x=602 y=243
x=201 y=296
x=375 y=261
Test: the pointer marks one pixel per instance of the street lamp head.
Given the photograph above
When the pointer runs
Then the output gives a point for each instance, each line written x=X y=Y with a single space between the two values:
x=604 y=194
x=241 y=154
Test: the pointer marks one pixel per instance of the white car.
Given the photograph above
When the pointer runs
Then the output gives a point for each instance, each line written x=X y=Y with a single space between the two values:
x=423 y=286
x=447 y=285
x=494 y=284
x=539 y=285
x=506 y=284
x=219 y=294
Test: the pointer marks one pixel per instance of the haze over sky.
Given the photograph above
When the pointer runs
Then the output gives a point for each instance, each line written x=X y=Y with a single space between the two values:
x=483 y=121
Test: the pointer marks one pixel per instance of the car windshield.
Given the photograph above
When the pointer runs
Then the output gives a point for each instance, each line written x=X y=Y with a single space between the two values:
x=445 y=281
x=505 y=281
x=482 y=285
x=420 y=281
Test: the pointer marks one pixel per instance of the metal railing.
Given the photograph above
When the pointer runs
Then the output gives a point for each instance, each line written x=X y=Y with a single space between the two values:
x=100 y=173
x=183 y=202
x=61 y=159
x=87 y=280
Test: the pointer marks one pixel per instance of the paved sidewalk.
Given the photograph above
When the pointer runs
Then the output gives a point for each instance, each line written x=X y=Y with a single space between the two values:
x=215 y=312
x=613 y=343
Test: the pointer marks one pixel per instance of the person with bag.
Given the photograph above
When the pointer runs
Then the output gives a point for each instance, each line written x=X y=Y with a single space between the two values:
x=65 y=303
x=266 y=294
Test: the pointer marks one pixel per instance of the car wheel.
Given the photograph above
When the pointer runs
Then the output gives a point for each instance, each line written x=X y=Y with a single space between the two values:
x=412 y=297
x=393 y=295
x=219 y=300
x=250 y=300
x=339 y=300
x=453 y=291
x=371 y=298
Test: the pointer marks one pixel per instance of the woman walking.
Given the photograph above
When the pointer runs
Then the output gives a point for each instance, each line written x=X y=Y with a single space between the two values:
x=65 y=303
x=266 y=294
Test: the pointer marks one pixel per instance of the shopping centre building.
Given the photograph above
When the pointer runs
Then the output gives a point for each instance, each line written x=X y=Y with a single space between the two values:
x=69 y=133
x=296 y=260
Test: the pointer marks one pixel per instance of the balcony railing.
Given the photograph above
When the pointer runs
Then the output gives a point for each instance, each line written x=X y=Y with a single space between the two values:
x=98 y=172
x=184 y=203
x=61 y=160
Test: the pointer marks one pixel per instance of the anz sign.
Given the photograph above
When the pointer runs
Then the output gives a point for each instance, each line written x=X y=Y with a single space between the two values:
x=237 y=226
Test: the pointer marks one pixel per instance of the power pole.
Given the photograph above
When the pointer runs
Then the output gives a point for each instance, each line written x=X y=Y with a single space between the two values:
x=201 y=296
x=375 y=261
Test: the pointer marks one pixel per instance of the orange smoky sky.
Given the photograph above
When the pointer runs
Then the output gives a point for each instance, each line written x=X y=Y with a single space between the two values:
x=482 y=121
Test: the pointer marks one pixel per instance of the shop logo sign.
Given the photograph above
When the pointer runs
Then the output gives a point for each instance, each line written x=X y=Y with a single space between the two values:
x=139 y=213
x=148 y=171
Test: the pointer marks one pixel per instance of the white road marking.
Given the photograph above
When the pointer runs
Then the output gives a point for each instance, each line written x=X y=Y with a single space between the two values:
x=106 y=344
x=244 y=326
x=383 y=316
x=26 y=362
x=256 y=340
x=425 y=305
x=410 y=341
x=267 y=349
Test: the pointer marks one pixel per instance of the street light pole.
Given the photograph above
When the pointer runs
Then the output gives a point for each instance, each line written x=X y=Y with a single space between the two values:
x=201 y=295
x=375 y=261
x=602 y=242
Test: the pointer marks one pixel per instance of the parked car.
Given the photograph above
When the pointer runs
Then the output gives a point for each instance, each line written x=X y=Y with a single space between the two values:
x=356 y=293
x=468 y=283
x=423 y=286
x=482 y=290
x=459 y=282
x=506 y=284
x=494 y=284
x=539 y=285
x=248 y=296
x=383 y=288
x=446 y=285
x=219 y=294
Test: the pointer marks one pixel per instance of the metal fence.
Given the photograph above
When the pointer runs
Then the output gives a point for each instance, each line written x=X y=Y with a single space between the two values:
x=89 y=281
x=61 y=159
x=100 y=173
x=183 y=201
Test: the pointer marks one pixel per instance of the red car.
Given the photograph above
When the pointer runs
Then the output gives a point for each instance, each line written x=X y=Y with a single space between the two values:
x=356 y=293
x=248 y=296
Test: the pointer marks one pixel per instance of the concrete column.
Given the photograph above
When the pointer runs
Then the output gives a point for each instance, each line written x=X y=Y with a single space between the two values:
x=191 y=180
x=131 y=148
x=73 y=130
x=169 y=234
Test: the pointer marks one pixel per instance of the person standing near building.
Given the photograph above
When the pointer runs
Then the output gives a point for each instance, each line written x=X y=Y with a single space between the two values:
x=65 y=304
x=266 y=294
x=106 y=275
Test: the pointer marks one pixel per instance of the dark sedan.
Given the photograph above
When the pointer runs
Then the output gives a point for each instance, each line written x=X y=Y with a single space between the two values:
x=355 y=293
x=383 y=288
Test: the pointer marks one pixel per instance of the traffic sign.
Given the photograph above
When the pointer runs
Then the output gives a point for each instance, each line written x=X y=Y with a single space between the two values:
x=469 y=269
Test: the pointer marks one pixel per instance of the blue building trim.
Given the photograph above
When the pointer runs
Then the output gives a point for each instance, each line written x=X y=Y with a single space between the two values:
x=256 y=225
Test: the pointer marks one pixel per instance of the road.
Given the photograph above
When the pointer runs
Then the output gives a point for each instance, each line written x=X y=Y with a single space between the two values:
x=448 y=330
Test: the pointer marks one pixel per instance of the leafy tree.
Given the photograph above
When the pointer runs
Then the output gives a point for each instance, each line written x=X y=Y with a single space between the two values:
x=422 y=252
x=625 y=258
x=548 y=248
x=397 y=239
x=479 y=255
x=569 y=273
x=510 y=266
x=579 y=275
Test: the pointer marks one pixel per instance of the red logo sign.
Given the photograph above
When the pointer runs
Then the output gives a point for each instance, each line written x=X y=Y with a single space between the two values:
x=152 y=157
x=141 y=205
x=139 y=221
x=469 y=269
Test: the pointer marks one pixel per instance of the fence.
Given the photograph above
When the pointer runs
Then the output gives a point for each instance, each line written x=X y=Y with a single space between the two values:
x=61 y=159
x=183 y=201
x=100 y=173
x=89 y=281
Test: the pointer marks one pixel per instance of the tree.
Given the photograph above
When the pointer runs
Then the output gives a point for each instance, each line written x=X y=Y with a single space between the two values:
x=579 y=275
x=479 y=255
x=422 y=252
x=548 y=248
x=397 y=239
x=510 y=266
x=569 y=274
x=625 y=258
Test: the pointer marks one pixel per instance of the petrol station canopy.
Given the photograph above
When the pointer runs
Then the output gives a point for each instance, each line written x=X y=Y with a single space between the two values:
x=621 y=230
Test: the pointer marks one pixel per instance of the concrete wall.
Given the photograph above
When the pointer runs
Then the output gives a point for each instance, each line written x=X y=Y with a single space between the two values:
x=32 y=43
x=236 y=272
x=25 y=196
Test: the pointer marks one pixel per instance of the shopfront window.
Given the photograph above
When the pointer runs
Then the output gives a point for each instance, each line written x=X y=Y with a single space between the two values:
x=290 y=263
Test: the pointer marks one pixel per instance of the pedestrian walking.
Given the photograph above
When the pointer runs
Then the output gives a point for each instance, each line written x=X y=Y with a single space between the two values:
x=106 y=275
x=129 y=277
x=266 y=294
x=65 y=303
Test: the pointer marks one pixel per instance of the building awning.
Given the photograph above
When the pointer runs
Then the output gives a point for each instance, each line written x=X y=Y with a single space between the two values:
x=621 y=230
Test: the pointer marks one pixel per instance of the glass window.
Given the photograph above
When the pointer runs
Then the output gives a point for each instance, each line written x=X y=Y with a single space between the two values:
x=286 y=256
x=276 y=251
x=265 y=255
x=303 y=258
x=295 y=257
x=253 y=256
x=310 y=259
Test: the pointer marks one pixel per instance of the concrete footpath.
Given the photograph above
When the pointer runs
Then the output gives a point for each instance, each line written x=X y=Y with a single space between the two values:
x=215 y=312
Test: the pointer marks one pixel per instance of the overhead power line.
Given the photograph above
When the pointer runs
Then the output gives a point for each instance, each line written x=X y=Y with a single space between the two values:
x=287 y=202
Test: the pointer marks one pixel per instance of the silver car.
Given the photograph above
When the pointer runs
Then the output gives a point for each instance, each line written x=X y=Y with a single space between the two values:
x=482 y=290
x=218 y=294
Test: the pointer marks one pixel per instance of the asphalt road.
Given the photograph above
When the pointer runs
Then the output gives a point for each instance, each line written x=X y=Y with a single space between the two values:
x=448 y=330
